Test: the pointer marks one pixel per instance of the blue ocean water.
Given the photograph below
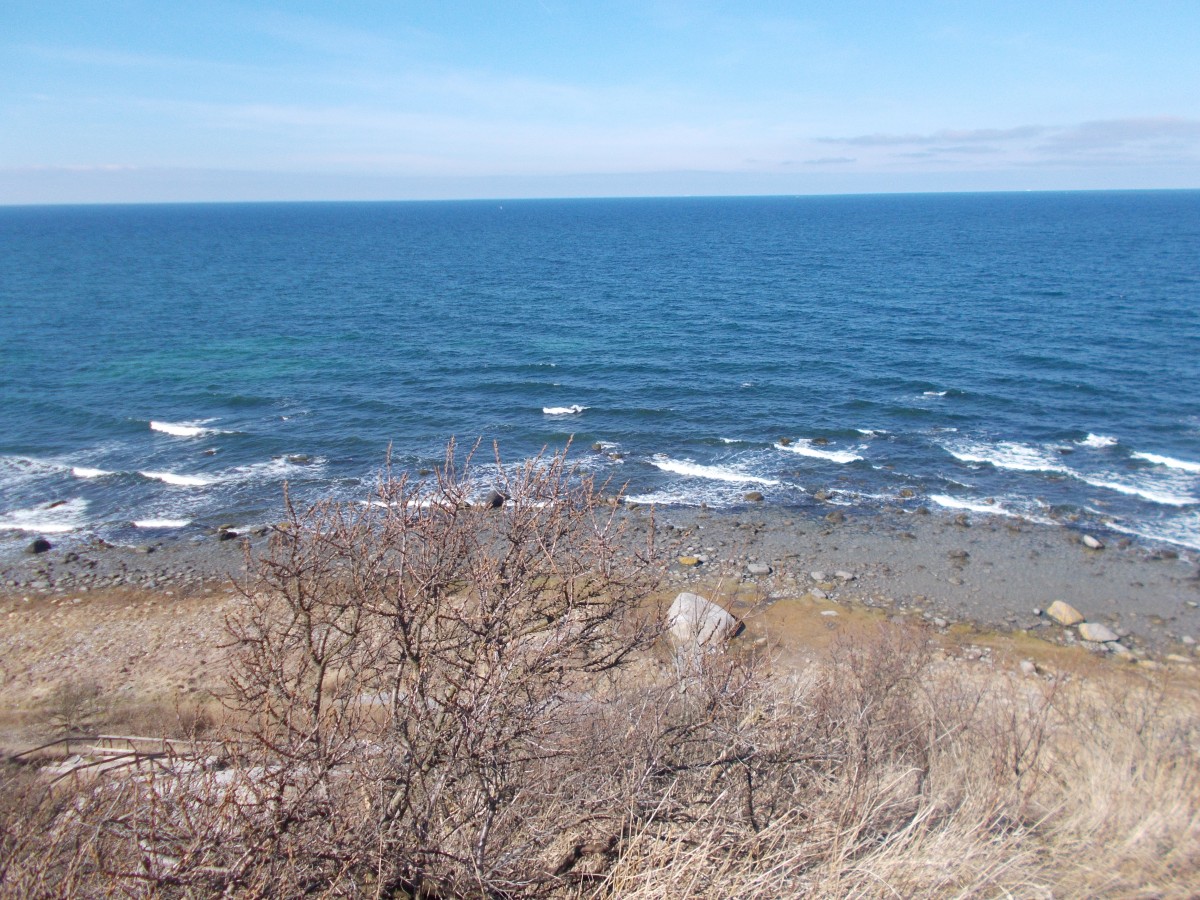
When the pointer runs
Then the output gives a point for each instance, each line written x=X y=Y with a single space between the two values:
x=1018 y=354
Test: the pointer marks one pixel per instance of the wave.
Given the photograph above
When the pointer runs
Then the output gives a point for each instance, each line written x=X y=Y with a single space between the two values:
x=52 y=518
x=18 y=469
x=1007 y=455
x=563 y=410
x=949 y=502
x=1098 y=441
x=806 y=448
x=194 y=428
x=716 y=473
x=1153 y=494
x=1183 y=531
x=85 y=472
x=1169 y=462
x=161 y=523
x=179 y=480
x=934 y=393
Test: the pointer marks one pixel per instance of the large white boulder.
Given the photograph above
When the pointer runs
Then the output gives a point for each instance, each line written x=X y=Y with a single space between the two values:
x=697 y=622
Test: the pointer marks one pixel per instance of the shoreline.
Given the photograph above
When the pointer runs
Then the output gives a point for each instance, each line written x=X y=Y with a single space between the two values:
x=988 y=571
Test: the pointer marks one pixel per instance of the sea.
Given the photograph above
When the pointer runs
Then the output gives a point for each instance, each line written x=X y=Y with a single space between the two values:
x=165 y=369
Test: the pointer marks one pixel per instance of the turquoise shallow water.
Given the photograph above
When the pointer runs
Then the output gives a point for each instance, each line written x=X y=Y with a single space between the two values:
x=1019 y=354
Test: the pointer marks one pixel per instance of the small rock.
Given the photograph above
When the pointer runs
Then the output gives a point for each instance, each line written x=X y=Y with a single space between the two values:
x=1028 y=667
x=837 y=517
x=1064 y=613
x=959 y=554
x=829 y=612
x=940 y=622
x=38 y=545
x=689 y=560
x=225 y=534
x=1094 y=631
x=817 y=576
x=1189 y=640
x=821 y=495
x=494 y=500
x=962 y=521
x=922 y=510
x=785 y=441
x=906 y=493
x=1092 y=543
x=758 y=569
x=754 y=496
x=818 y=594
x=844 y=576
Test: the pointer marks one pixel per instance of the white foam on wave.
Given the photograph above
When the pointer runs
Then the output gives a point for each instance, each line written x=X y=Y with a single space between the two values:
x=806 y=448
x=949 y=502
x=51 y=518
x=870 y=432
x=1169 y=461
x=1007 y=455
x=1154 y=493
x=563 y=410
x=715 y=473
x=1097 y=441
x=18 y=469
x=933 y=393
x=179 y=480
x=85 y=472
x=161 y=523
x=1183 y=531
x=194 y=428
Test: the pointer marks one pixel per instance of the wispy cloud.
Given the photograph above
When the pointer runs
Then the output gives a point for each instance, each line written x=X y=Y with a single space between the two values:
x=990 y=135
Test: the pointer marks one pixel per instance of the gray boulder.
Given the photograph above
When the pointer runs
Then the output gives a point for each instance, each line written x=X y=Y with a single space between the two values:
x=696 y=622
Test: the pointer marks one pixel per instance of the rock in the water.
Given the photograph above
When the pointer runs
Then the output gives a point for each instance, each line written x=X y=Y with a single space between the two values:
x=39 y=545
x=907 y=493
x=1092 y=543
x=1094 y=631
x=226 y=534
x=821 y=495
x=697 y=622
x=494 y=500
x=758 y=569
x=1064 y=613
x=754 y=496
x=785 y=441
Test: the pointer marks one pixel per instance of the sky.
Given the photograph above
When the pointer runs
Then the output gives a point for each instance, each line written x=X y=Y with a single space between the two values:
x=391 y=99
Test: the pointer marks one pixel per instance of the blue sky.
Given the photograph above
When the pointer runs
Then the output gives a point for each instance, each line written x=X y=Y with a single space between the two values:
x=153 y=101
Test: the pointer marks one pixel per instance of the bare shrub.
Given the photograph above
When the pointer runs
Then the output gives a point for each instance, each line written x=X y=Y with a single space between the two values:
x=76 y=707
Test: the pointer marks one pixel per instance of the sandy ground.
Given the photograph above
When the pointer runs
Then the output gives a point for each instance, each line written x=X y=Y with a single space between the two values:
x=147 y=624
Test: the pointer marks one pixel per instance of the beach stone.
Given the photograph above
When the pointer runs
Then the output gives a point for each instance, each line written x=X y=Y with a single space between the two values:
x=38 y=545
x=817 y=576
x=1092 y=543
x=689 y=560
x=1094 y=631
x=693 y=620
x=818 y=594
x=1028 y=667
x=959 y=555
x=754 y=496
x=1064 y=613
x=837 y=517
x=755 y=568
x=962 y=521
x=844 y=576
x=829 y=612
x=494 y=500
